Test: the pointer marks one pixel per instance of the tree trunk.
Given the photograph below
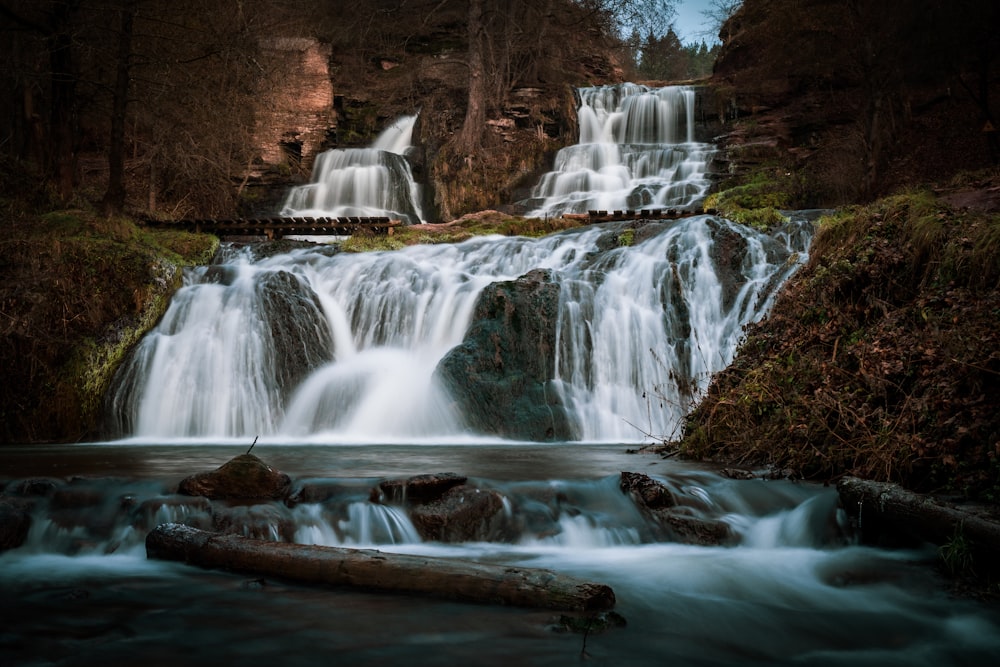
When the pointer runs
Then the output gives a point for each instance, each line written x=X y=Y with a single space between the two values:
x=475 y=112
x=374 y=570
x=114 y=197
x=62 y=159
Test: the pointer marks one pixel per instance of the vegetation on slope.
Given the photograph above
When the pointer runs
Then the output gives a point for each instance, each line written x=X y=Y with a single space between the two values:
x=77 y=290
x=881 y=358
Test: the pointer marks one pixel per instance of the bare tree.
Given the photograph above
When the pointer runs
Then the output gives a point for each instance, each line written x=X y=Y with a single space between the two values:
x=717 y=17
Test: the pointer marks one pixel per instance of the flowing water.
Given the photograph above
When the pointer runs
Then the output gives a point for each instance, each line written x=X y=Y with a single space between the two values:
x=792 y=590
x=637 y=150
x=329 y=359
x=366 y=182
x=343 y=347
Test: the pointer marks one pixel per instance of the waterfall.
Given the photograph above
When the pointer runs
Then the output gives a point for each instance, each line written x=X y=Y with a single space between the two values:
x=372 y=182
x=636 y=150
x=356 y=347
x=344 y=346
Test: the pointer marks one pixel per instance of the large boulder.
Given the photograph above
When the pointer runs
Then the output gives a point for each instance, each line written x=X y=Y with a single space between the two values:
x=500 y=376
x=300 y=332
x=245 y=477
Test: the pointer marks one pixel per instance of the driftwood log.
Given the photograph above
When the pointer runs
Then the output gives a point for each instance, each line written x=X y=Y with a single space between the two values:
x=374 y=570
x=888 y=514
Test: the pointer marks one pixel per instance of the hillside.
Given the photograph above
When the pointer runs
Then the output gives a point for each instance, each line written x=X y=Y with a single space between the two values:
x=880 y=359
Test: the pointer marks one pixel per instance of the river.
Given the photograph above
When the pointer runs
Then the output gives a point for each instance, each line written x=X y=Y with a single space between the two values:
x=793 y=589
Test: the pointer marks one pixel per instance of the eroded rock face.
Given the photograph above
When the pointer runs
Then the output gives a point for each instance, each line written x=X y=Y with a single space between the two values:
x=501 y=373
x=245 y=477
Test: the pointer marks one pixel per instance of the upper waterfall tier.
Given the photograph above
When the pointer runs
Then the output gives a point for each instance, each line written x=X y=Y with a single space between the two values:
x=636 y=150
x=367 y=182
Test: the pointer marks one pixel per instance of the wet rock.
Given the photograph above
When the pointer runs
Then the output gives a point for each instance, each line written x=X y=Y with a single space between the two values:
x=463 y=514
x=500 y=374
x=15 y=521
x=418 y=489
x=300 y=332
x=736 y=473
x=77 y=497
x=679 y=524
x=36 y=487
x=313 y=491
x=646 y=491
x=260 y=522
x=696 y=530
x=193 y=511
x=245 y=477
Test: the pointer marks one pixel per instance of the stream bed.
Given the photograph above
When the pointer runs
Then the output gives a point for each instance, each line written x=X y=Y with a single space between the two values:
x=792 y=588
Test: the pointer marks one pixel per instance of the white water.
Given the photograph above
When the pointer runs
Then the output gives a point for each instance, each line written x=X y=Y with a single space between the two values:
x=641 y=329
x=367 y=182
x=636 y=151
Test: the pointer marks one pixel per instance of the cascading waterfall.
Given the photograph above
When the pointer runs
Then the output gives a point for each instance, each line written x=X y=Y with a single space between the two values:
x=344 y=346
x=636 y=150
x=368 y=182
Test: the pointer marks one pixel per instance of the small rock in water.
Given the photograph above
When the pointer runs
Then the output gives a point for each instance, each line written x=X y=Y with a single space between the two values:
x=245 y=477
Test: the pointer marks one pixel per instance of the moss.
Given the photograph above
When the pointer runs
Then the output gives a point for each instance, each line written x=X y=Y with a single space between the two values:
x=359 y=243
x=756 y=201
x=484 y=223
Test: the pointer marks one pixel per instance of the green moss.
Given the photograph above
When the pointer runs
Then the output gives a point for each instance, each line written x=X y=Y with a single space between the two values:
x=756 y=199
x=360 y=243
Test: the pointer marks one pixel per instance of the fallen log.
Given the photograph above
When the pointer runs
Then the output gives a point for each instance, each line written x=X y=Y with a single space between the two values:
x=374 y=570
x=889 y=515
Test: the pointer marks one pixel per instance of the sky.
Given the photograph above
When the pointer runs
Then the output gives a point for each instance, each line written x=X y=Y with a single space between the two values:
x=690 y=23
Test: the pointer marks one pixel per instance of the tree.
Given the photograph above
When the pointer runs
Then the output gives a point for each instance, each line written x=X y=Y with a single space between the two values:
x=51 y=27
x=717 y=16
x=475 y=111
x=114 y=196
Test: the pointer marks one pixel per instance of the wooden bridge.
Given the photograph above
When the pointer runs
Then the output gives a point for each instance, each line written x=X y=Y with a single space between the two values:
x=278 y=227
x=644 y=214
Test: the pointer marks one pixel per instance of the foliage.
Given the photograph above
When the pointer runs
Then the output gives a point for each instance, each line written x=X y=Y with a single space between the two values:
x=666 y=59
x=879 y=359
